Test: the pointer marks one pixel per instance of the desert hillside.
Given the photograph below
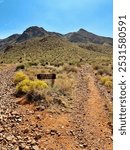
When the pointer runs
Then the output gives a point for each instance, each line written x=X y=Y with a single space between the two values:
x=72 y=112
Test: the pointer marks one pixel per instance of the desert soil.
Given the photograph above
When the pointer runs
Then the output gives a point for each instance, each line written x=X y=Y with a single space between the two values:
x=88 y=126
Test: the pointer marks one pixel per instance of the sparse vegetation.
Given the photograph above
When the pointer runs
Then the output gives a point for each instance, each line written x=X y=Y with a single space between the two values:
x=103 y=71
x=20 y=67
x=29 y=86
x=57 y=55
x=69 y=68
x=51 y=107
x=34 y=89
x=19 y=76
x=64 y=85
x=107 y=81
x=50 y=51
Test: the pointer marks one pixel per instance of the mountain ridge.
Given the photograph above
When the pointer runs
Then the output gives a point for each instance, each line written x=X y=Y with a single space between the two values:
x=84 y=36
x=81 y=36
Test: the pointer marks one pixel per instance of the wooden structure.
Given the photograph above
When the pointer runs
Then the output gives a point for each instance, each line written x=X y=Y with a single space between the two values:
x=47 y=76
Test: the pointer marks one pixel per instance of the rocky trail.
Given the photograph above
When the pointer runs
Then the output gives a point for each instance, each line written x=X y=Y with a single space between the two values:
x=28 y=127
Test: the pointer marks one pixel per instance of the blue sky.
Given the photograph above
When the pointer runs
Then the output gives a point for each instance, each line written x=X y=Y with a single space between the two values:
x=56 y=15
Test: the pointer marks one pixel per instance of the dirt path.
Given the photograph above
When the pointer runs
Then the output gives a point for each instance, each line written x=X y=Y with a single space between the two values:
x=97 y=114
x=28 y=127
x=92 y=114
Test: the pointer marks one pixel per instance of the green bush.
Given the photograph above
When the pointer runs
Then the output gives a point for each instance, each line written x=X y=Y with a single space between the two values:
x=29 y=86
x=107 y=81
x=108 y=84
x=33 y=89
x=19 y=76
x=69 y=68
x=19 y=67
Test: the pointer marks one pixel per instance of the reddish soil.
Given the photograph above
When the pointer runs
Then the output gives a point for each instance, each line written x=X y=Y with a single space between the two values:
x=86 y=127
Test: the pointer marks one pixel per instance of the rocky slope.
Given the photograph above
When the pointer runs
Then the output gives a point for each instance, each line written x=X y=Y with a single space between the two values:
x=81 y=36
x=28 y=127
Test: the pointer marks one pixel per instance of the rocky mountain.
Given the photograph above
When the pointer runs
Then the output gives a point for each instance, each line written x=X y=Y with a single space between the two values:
x=8 y=41
x=32 y=32
x=83 y=36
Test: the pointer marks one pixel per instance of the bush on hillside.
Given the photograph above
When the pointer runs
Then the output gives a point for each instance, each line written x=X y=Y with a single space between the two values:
x=108 y=84
x=28 y=85
x=107 y=81
x=33 y=89
x=19 y=76
x=19 y=67
x=64 y=84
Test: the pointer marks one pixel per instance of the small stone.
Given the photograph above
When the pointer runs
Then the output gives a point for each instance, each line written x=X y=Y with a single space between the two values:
x=72 y=132
x=29 y=141
x=33 y=142
x=111 y=138
x=27 y=148
x=83 y=145
x=26 y=130
x=23 y=145
x=36 y=126
x=40 y=108
x=19 y=137
x=38 y=117
x=37 y=137
x=14 y=113
x=1 y=139
x=9 y=138
x=30 y=112
x=36 y=147
x=47 y=131
x=14 y=141
x=19 y=119
x=17 y=148
x=1 y=129
x=59 y=134
x=62 y=127
x=53 y=132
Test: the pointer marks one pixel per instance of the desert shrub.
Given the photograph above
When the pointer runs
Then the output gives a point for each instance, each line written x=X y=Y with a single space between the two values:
x=24 y=86
x=33 y=63
x=100 y=72
x=64 y=84
x=69 y=68
x=59 y=69
x=29 y=86
x=19 y=76
x=104 y=79
x=107 y=81
x=33 y=89
x=108 y=84
x=21 y=66
x=96 y=66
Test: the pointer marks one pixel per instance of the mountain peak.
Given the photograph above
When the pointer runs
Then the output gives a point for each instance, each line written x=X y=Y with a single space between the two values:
x=83 y=36
x=32 y=32
x=82 y=30
x=34 y=28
